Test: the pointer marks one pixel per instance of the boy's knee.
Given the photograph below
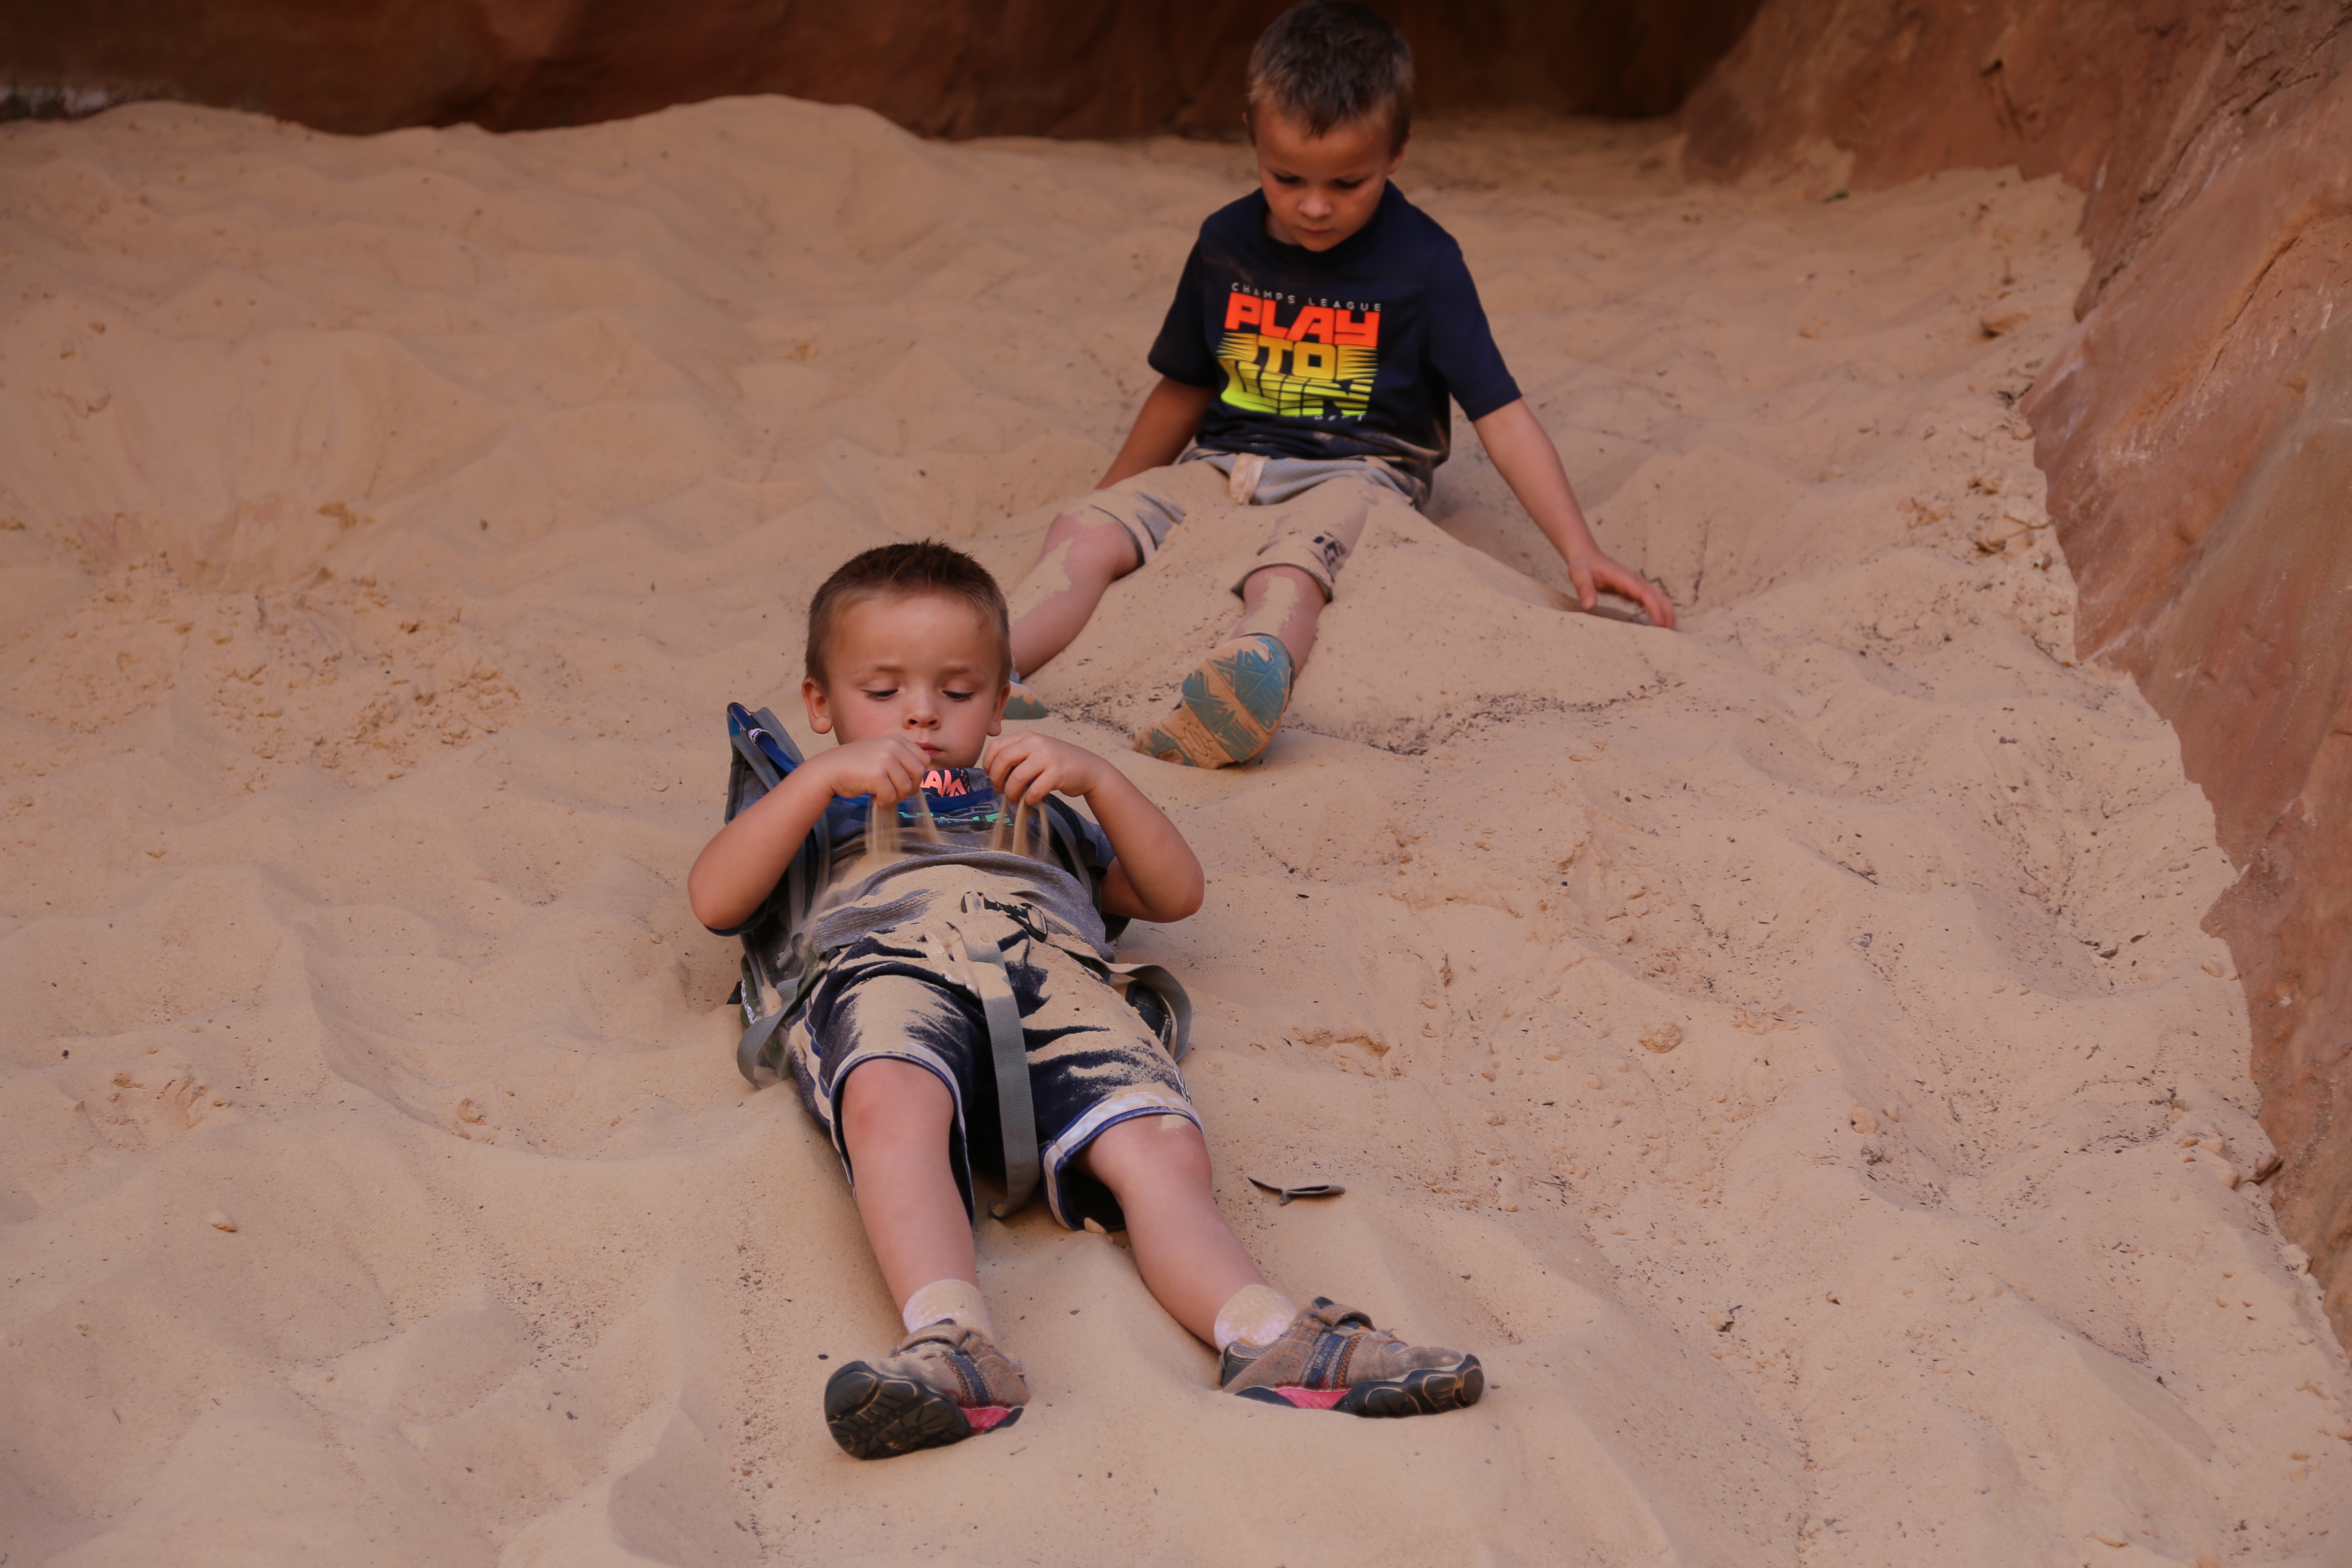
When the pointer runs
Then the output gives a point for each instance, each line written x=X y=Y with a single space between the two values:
x=887 y=1099
x=1149 y=1150
x=1265 y=582
x=1093 y=544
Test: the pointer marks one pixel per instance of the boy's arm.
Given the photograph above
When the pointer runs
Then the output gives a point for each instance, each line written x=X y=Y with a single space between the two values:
x=1164 y=427
x=742 y=863
x=1154 y=875
x=1523 y=454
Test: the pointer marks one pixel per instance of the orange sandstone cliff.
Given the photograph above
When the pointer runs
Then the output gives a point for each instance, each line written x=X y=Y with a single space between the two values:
x=2196 y=429
x=942 y=68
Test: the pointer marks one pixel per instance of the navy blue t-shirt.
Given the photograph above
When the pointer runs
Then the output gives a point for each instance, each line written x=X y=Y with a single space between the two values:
x=1346 y=353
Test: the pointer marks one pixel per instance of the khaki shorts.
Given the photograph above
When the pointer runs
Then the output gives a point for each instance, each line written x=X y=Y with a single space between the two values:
x=1318 y=506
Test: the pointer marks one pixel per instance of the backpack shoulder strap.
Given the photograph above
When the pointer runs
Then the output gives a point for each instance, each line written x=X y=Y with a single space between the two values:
x=762 y=754
x=1066 y=838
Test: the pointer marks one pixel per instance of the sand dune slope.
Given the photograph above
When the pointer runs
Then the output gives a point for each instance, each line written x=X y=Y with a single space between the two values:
x=1785 y=1051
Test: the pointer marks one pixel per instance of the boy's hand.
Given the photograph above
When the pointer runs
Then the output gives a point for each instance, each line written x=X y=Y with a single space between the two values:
x=1027 y=767
x=1530 y=463
x=887 y=767
x=1596 y=573
x=1153 y=874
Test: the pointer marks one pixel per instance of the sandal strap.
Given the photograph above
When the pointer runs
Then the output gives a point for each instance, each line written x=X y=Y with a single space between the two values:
x=1332 y=1315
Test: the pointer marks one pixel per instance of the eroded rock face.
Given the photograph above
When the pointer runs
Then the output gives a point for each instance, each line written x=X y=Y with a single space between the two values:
x=942 y=67
x=2196 y=430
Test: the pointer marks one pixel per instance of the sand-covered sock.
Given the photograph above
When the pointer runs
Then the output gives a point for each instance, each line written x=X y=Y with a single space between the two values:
x=948 y=1301
x=1253 y=1315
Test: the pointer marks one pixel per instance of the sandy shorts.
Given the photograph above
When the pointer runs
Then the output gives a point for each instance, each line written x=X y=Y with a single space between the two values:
x=1093 y=1061
x=1319 y=505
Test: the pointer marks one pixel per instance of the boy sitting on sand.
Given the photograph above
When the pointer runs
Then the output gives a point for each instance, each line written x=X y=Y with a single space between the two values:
x=908 y=666
x=1319 y=330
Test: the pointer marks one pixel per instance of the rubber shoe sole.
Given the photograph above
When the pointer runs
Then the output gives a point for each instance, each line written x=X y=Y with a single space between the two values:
x=1229 y=707
x=1024 y=703
x=875 y=1416
x=1432 y=1390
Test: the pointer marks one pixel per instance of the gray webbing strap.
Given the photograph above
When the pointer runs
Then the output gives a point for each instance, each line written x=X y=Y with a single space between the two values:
x=763 y=1043
x=1008 y=1052
x=1152 y=977
x=758 y=1027
x=1173 y=996
x=750 y=1051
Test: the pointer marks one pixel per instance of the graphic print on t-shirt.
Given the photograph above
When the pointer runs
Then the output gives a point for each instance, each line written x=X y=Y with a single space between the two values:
x=1319 y=365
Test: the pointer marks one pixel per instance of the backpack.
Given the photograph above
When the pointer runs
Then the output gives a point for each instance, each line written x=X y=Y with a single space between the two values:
x=782 y=963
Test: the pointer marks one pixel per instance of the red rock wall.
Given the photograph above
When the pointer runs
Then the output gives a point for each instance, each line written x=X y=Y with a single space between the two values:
x=946 y=68
x=2197 y=430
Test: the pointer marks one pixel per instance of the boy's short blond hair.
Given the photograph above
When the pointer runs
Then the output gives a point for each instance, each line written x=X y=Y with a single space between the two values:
x=906 y=572
x=1328 y=62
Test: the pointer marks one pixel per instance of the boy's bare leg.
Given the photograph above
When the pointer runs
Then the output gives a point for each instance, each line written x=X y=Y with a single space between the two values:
x=895 y=1118
x=1288 y=603
x=1084 y=554
x=1324 y=1357
x=947 y=1380
x=1158 y=1168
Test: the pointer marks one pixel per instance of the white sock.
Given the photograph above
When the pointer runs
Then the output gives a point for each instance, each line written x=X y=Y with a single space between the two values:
x=956 y=1300
x=1255 y=1315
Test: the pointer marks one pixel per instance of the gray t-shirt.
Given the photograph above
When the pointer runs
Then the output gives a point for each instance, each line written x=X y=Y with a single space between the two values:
x=925 y=880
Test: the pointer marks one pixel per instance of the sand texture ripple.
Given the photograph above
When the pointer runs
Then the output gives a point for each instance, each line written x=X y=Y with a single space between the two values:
x=1786 y=1050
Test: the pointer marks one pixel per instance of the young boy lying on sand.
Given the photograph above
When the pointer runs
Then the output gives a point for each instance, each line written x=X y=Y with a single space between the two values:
x=908 y=666
x=1319 y=328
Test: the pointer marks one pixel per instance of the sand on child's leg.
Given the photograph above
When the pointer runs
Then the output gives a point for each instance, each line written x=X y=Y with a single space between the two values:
x=1085 y=553
x=1285 y=603
x=1230 y=705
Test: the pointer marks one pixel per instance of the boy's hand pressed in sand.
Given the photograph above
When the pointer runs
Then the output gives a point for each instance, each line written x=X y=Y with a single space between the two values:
x=1523 y=454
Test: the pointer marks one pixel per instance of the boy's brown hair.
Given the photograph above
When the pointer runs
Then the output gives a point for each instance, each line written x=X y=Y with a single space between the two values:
x=906 y=572
x=1328 y=62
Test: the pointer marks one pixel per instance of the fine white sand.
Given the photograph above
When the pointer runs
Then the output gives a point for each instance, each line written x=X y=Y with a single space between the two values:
x=1786 y=1051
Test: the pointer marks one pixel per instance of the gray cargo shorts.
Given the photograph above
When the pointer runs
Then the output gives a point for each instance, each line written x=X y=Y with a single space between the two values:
x=1319 y=505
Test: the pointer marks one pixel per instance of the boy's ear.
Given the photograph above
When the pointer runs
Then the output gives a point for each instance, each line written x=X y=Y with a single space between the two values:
x=821 y=714
x=996 y=720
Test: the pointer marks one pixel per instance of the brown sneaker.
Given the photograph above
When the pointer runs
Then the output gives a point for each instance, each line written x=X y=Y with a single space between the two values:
x=942 y=1384
x=1331 y=1358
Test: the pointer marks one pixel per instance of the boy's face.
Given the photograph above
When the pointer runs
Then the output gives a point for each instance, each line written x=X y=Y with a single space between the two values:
x=1319 y=189
x=924 y=666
